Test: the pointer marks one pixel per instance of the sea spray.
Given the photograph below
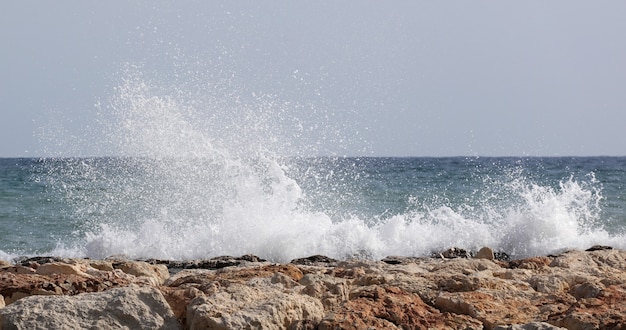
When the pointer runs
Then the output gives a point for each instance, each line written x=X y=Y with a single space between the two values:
x=194 y=176
x=266 y=213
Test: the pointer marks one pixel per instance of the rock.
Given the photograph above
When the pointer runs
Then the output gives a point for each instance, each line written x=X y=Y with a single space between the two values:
x=488 y=308
x=606 y=311
x=103 y=265
x=529 y=326
x=531 y=263
x=573 y=290
x=452 y=253
x=195 y=278
x=464 y=266
x=58 y=280
x=52 y=268
x=485 y=253
x=400 y=260
x=586 y=290
x=328 y=289
x=179 y=299
x=19 y=269
x=130 y=307
x=501 y=256
x=316 y=260
x=549 y=284
x=39 y=260
x=599 y=248
x=257 y=304
x=374 y=307
x=224 y=261
x=153 y=274
x=213 y=263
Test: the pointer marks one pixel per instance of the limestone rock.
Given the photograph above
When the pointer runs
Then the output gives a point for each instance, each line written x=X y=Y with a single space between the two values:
x=530 y=326
x=330 y=290
x=153 y=274
x=103 y=265
x=195 y=277
x=606 y=311
x=14 y=286
x=531 y=263
x=573 y=290
x=374 y=307
x=130 y=307
x=19 y=269
x=258 y=304
x=485 y=253
x=60 y=268
x=179 y=299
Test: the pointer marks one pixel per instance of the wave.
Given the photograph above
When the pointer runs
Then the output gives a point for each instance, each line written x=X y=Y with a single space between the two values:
x=203 y=179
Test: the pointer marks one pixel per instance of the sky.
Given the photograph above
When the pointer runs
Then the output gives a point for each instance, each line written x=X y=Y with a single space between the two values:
x=355 y=78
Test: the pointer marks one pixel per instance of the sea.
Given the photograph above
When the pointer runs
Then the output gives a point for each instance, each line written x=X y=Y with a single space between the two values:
x=189 y=167
x=281 y=208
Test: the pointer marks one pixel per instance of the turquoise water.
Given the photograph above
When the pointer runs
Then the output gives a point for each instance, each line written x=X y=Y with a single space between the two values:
x=283 y=208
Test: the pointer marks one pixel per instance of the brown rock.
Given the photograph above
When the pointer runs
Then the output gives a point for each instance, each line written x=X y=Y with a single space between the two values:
x=489 y=308
x=241 y=274
x=14 y=286
x=575 y=290
x=153 y=274
x=19 y=269
x=53 y=268
x=330 y=290
x=607 y=311
x=485 y=253
x=531 y=263
x=103 y=265
x=179 y=299
x=391 y=308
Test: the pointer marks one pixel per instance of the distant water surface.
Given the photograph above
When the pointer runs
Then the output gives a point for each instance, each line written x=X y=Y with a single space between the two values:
x=285 y=208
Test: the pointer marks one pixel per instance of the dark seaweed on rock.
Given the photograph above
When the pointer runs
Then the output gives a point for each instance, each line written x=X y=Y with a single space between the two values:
x=314 y=260
x=213 y=263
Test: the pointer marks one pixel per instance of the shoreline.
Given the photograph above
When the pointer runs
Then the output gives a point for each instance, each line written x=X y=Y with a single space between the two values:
x=452 y=290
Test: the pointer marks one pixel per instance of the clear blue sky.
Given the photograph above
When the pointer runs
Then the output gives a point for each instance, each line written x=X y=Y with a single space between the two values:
x=397 y=78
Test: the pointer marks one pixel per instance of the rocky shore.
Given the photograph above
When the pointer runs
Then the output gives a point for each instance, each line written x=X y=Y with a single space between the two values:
x=451 y=290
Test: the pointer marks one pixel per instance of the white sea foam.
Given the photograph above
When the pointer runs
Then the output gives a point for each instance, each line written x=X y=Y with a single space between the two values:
x=193 y=188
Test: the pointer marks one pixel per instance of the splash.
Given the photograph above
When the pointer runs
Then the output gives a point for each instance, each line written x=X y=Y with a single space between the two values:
x=197 y=176
x=518 y=217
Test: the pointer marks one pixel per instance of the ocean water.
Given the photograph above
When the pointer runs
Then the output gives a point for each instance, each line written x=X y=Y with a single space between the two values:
x=204 y=168
x=287 y=207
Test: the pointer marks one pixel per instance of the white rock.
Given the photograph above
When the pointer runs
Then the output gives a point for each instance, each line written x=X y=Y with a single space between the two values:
x=153 y=274
x=130 y=307
x=262 y=305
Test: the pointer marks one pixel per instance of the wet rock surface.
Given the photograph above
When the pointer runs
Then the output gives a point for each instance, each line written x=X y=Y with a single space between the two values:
x=452 y=290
